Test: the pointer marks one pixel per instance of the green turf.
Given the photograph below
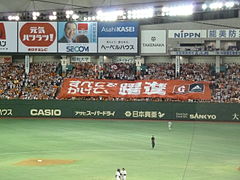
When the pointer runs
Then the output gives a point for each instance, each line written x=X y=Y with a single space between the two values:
x=100 y=147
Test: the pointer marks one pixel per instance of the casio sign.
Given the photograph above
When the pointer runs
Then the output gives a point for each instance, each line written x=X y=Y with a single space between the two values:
x=45 y=112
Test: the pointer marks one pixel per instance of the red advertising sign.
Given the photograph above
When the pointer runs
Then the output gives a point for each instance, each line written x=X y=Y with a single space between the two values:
x=8 y=36
x=175 y=89
x=37 y=34
x=83 y=26
x=5 y=59
x=2 y=31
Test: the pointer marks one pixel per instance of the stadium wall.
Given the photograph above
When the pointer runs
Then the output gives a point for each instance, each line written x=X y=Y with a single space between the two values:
x=40 y=59
x=229 y=59
x=120 y=110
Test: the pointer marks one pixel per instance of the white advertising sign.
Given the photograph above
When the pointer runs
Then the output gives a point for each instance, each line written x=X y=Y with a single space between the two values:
x=82 y=59
x=224 y=33
x=77 y=47
x=37 y=37
x=153 y=41
x=187 y=34
x=8 y=36
x=117 y=45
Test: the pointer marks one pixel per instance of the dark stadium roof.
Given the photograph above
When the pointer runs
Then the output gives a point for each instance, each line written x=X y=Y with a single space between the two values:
x=41 y=5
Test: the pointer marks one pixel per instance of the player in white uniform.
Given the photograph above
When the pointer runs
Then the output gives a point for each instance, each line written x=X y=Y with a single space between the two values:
x=123 y=174
x=169 y=125
x=118 y=175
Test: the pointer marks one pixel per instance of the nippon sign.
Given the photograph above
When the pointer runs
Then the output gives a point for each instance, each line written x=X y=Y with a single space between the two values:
x=8 y=36
x=187 y=34
x=153 y=41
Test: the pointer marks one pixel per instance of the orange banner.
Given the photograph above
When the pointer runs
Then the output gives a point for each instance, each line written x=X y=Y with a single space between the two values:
x=175 y=89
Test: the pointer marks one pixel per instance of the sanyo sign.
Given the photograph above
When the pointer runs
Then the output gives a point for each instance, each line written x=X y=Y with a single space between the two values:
x=183 y=34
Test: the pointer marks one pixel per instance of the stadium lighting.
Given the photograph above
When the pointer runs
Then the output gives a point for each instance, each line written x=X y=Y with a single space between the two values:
x=89 y=18
x=109 y=16
x=13 y=18
x=140 y=13
x=68 y=16
x=10 y=18
x=229 y=4
x=216 y=5
x=53 y=16
x=75 y=16
x=35 y=15
x=204 y=6
x=69 y=12
x=184 y=10
x=124 y=17
x=17 y=18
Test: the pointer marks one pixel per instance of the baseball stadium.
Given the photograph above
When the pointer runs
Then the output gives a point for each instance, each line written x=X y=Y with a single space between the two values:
x=119 y=90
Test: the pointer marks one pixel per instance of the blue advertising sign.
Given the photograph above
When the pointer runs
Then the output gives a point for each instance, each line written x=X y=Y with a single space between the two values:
x=118 y=29
x=118 y=37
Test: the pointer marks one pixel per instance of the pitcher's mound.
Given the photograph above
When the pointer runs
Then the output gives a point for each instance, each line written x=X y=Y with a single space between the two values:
x=44 y=162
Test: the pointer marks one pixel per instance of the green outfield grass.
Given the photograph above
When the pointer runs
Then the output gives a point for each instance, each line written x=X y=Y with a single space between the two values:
x=191 y=151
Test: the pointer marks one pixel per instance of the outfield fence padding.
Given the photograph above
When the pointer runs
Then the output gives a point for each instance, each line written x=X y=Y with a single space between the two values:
x=120 y=110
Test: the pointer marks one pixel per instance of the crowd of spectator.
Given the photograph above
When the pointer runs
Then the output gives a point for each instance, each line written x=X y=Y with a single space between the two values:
x=12 y=79
x=120 y=71
x=43 y=80
x=84 y=71
x=164 y=71
x=226 y=85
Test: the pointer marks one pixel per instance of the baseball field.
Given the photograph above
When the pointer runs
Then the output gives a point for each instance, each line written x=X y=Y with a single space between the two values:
x=67 y=149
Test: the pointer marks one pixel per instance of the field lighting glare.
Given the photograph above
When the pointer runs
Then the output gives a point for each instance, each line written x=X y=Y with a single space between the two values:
x=75 y=16
x=216 y=5
x=229 y=4
x=184 y=10
x=204 y=6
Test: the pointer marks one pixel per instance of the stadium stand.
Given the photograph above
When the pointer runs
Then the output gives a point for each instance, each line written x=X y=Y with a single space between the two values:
x=43 y=82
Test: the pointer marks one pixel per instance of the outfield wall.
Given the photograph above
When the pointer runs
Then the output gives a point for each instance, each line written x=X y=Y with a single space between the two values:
x=120 y=110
